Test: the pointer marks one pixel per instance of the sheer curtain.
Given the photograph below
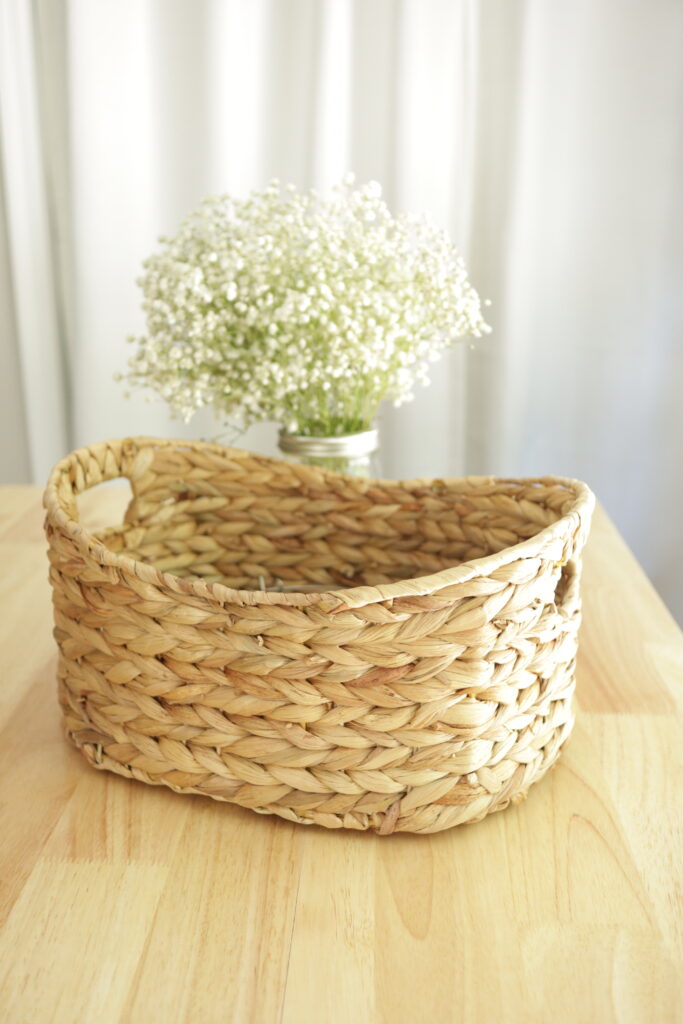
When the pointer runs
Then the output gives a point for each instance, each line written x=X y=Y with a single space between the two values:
x=545 y=137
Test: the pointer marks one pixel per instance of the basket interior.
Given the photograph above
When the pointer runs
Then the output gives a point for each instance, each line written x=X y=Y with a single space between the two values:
x=304 y=530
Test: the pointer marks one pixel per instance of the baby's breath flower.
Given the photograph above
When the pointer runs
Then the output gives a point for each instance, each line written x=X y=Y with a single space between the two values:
x=302 y=310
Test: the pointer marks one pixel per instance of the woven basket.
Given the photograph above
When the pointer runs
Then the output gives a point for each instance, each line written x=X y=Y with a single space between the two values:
x=414 y=668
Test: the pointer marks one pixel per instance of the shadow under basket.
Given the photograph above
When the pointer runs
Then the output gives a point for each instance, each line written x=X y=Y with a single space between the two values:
x=362 y=654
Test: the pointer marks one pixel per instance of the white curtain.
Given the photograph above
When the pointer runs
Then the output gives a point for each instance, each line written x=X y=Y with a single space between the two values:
x=546 y=137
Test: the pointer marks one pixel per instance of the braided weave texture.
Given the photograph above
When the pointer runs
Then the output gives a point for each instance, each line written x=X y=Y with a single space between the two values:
x=415 y=672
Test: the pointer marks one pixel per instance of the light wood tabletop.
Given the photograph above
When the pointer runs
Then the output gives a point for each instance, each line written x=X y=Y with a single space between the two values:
x=124 y=902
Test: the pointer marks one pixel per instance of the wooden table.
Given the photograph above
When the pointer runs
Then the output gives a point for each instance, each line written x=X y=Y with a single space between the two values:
x=123 y=902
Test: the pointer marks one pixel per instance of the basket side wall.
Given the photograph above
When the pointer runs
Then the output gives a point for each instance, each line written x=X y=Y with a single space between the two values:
x=411 y=714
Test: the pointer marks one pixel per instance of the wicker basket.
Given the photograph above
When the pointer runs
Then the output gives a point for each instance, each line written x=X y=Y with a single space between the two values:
x=409 y=666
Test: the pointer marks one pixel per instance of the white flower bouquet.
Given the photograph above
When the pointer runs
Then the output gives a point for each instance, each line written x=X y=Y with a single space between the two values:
x=300 y=310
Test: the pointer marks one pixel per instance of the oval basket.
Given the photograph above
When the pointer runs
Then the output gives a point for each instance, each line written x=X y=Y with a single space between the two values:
x=354 y=653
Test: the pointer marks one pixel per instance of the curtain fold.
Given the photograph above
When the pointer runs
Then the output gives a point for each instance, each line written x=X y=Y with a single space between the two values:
x=544 y=137
x=36 y=384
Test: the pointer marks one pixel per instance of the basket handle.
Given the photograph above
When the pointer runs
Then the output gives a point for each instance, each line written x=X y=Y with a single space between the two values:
x=87 y=468
x=567 y=586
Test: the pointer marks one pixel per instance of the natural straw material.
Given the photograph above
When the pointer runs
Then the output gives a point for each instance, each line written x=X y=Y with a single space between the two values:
x=421 y=676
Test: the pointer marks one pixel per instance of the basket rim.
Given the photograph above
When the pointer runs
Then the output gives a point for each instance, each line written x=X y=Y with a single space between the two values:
x=331 y=600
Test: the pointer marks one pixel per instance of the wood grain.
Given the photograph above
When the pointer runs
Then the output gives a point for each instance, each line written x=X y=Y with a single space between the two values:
x=124 y=903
